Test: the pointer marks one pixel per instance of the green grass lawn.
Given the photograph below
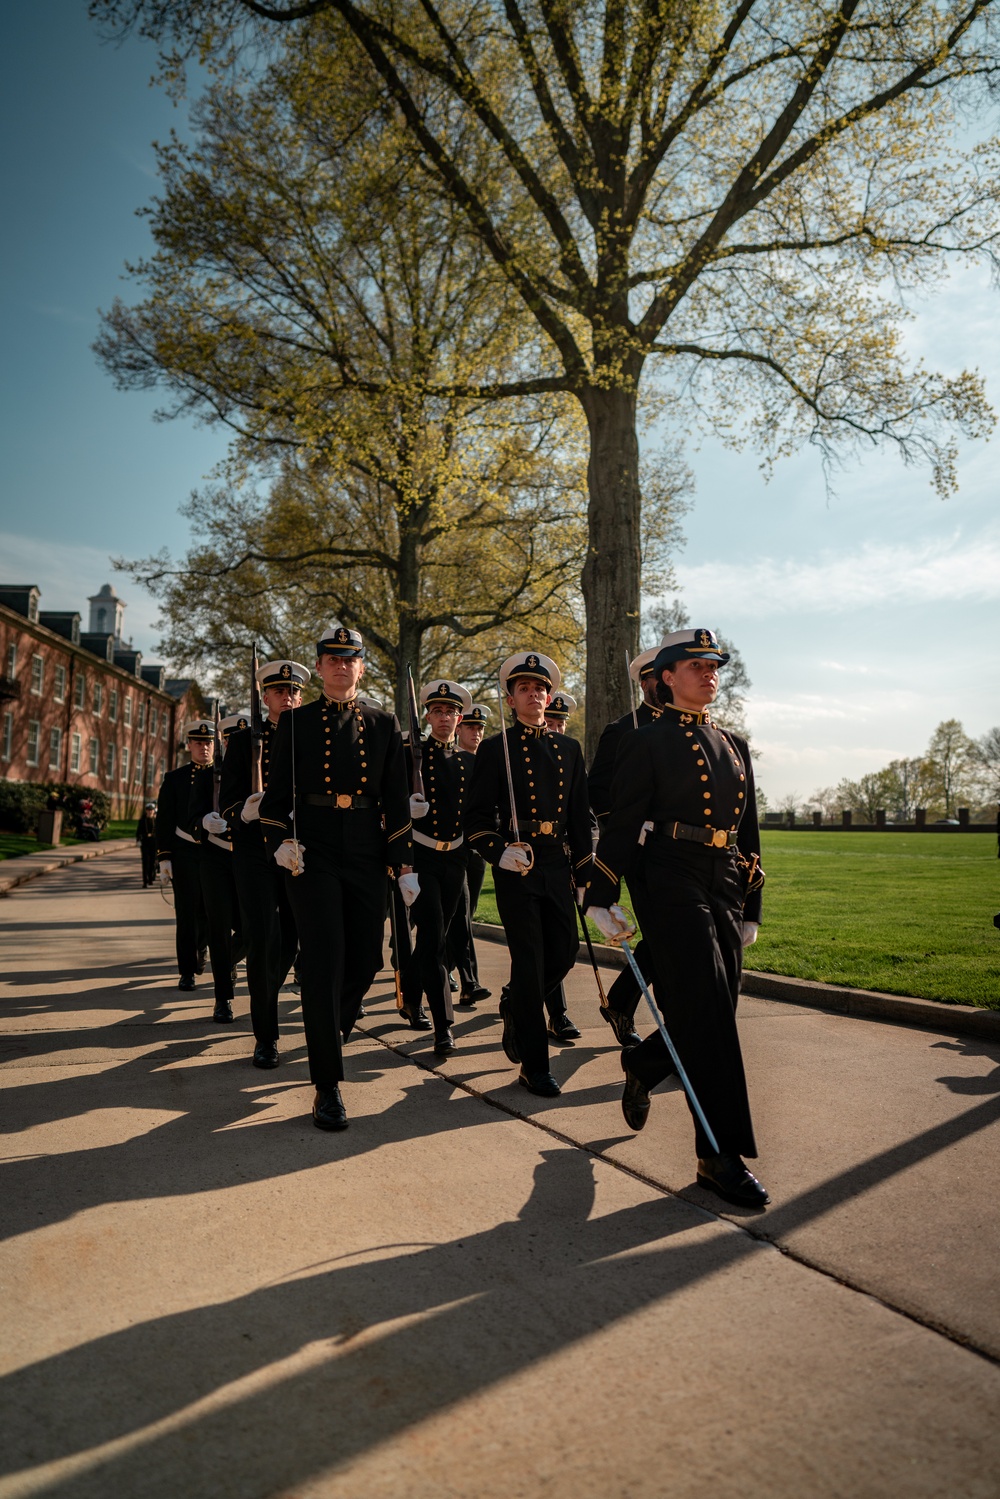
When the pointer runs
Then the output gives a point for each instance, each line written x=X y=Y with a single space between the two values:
x=12 y=845
x=904 y=913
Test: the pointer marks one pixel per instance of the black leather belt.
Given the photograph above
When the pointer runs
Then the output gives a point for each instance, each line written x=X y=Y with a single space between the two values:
x=553 y=829
x=713 y=837
x=340 y=801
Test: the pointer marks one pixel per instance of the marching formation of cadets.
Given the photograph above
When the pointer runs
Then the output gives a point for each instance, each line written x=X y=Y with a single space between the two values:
x=292 y=853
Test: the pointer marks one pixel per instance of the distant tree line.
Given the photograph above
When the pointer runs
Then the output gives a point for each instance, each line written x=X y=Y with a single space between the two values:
x=954 y=771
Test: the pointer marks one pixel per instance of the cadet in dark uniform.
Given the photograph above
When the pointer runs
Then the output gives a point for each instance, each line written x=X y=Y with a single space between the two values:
x=561 y=1028
x=145 y=836
x=226 y=946
x=461 y=953
x=337 y=772
x=179 y=851
x=682 y=829
x=266 y=916
x=623 y=996
x=534 y=899
x=438 y=855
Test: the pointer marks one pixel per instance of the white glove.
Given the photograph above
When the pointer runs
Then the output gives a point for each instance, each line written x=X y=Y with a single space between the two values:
x=289 y=856
x=750 y=930
x=409 y=888
x=214 y=822
x=515 y=858
x=419 y=806
x=611 y=922
x=251 y=807
x=166 y=871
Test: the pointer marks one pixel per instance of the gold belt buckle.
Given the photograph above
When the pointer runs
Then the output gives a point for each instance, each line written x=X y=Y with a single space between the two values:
x=442 y=846
x=719 y=838
x=343 y=800
x=545 y=828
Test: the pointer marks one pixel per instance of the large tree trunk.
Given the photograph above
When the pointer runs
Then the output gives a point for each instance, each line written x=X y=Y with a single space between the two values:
x=611 y=574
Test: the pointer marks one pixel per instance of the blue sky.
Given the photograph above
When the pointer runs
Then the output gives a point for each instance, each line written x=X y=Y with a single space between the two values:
x=865 y=616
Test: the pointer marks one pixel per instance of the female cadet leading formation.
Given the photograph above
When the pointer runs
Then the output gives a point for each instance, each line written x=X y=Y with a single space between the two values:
x=334 y=813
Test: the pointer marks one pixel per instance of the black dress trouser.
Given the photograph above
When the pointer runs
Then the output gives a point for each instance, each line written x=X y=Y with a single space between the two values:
x=225 y=939
x=269 y=930
x=624 y=994
x=339 y=907
x=690 y=907
x=148 y=849
x=540 y=925
x=189 y=906
x=442 y=888
x=461 y=947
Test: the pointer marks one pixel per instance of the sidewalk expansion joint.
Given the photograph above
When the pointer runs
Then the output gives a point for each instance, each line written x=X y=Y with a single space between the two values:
x=942 y=1329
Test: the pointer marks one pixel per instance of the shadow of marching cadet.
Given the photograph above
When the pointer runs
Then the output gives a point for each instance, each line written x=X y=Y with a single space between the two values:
x=971 y=1086
x=486 y=1306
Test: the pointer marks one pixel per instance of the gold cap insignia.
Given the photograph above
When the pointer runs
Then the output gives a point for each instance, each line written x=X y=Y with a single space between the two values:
x=286 y=671
x=531 y=662
x=705 y=638
x=342 y=636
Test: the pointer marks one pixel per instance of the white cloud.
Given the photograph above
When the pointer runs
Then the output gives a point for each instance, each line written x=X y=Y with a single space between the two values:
x=876 y=575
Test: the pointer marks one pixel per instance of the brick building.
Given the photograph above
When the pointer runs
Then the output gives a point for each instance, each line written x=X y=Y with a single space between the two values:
x=80 y=706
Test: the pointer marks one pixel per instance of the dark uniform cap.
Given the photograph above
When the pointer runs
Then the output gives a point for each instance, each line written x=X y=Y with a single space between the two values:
x=448 y=693
x=282 y=674
x=561 y=706
x=477 y=714
x=530 y=664
x=200 y=728
x=689 y=645
x=338 y=640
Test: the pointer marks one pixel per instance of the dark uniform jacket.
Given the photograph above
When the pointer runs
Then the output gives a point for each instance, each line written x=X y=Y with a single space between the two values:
x=237 y=784
x=550 y=793
x=202 y=800
x=603 y=769
x=680 y=769
x=447 y=773
x=341 y=750
x=145 y=831
x=173 y=807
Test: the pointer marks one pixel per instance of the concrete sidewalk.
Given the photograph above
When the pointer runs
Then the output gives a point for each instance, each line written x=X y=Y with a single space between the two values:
x=471 y=1292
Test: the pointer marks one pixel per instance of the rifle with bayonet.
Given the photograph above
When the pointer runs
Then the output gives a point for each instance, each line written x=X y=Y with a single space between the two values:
x=256 y=727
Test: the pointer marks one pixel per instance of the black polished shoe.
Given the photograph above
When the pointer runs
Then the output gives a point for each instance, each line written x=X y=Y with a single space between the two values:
x=476 y=994
x=328 y=1109
x=508 y=1036
x=635 y=1098
x=452 y=983
x=186 y=981
x=622 y=1025
x=542 y=1083
x=444 y=1043
x=265 y=1054
x=561 y=1028
x=223 y=1011
x=416 y=1022
x=728 y=1177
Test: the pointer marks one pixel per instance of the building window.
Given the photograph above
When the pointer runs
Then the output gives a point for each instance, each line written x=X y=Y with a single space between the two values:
x=98 y=698
x=34 y=730
x=112 y=704
x=125 y=763
x=60 y=687
x=141 y=716
x=150 y=771
x=138 y=768
x=80 y=690
x=152 y=720
x=109 y=761
x=8 y=736
x=128 y=710
x=12 y=660
x=95 y=756
x=75 y=746
x=55 y=748
x=166 y=727
x=37 y=675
